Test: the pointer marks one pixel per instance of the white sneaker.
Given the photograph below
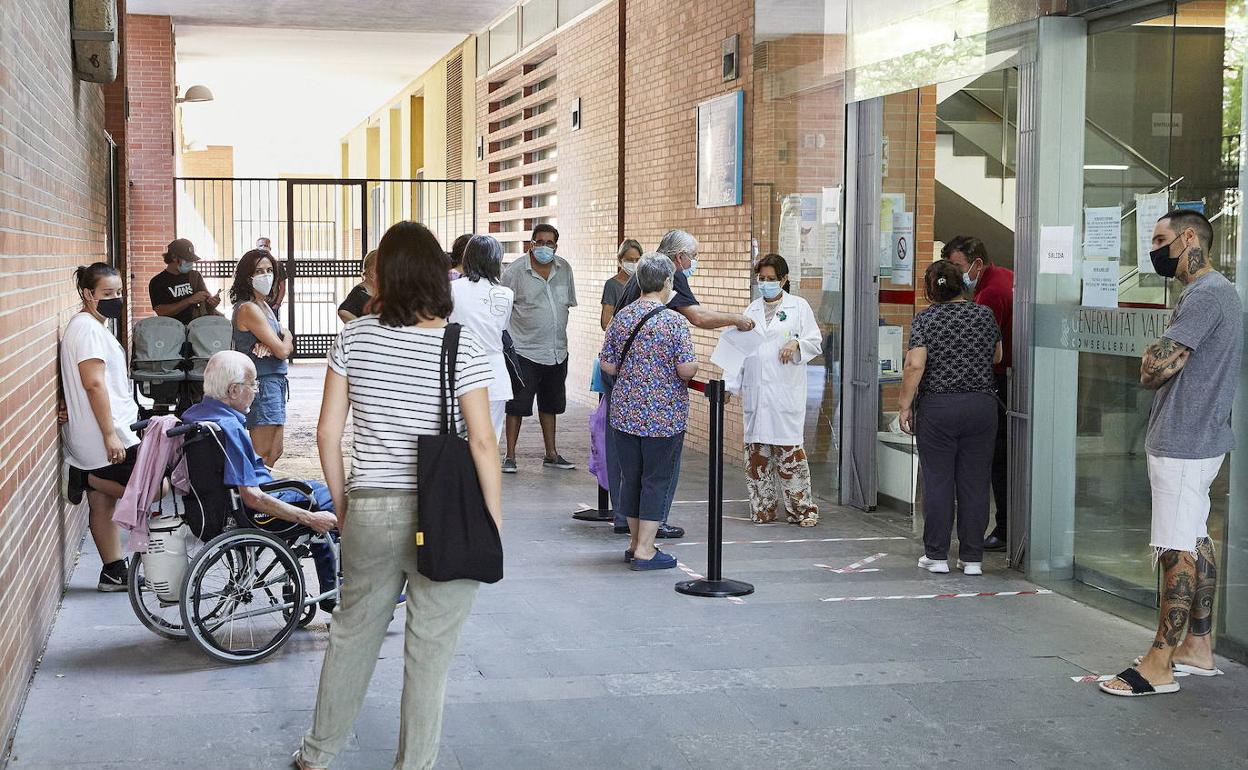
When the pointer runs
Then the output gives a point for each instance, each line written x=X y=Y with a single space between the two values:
x=971 y=567
x=938 y=566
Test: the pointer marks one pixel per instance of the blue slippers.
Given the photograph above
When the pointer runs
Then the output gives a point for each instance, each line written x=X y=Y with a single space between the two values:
x=659 y=561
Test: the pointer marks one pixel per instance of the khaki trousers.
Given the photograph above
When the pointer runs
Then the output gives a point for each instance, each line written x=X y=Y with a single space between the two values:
x=378 y=560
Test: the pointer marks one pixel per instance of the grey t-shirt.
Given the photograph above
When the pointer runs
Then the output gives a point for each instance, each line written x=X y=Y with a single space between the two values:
x=539 y=315
x=1191 y=418
x=611 y=291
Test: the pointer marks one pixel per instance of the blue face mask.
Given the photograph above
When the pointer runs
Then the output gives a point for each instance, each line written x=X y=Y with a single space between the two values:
x=693 y=266
x=185 y=267
x=543 y=254
x=770 y=289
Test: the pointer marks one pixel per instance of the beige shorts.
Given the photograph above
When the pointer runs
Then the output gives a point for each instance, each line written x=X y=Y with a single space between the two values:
x=1180 y=500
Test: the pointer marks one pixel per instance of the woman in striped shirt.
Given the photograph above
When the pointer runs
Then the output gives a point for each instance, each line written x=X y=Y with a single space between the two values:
x=384 y=370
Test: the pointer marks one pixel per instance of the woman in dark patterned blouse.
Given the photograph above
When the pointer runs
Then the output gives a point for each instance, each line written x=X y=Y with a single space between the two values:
x=948 y=399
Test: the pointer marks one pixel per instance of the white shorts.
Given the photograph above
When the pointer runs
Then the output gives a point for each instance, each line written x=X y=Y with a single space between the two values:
x=1180 y=500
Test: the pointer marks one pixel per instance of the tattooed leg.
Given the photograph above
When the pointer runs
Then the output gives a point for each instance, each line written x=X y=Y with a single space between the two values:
x=1177 y=594
x=1196 y=649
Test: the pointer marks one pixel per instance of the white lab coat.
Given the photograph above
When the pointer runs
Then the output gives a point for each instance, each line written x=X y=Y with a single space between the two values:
x=774 y=394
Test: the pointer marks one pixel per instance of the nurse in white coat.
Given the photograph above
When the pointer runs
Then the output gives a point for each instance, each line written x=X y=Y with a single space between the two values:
x=772 y=383
x=483 y=306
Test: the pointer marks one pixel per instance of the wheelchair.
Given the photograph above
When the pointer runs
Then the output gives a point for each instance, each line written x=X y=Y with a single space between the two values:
x=227 y=579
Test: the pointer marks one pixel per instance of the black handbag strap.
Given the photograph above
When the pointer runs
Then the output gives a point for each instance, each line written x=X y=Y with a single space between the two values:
x=629 y=344
x=446 y=378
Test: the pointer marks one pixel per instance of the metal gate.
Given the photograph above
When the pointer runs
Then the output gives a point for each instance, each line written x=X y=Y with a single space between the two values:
x=320 y=230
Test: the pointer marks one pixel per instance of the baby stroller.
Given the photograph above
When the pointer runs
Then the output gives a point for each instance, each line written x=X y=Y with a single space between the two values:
x=217 y=574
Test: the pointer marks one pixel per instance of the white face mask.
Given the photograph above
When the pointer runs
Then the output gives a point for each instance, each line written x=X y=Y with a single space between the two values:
x=629 y=267
x=262 y=283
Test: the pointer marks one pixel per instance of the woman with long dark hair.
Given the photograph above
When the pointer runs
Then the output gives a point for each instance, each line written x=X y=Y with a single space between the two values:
x=259 y=334
x=483 y=306
x=949 y=401
x=385 y=371
x=100 y=448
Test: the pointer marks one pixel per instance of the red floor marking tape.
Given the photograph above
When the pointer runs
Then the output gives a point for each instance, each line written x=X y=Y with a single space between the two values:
x=856 y=566
x=794 y=540
x=1038 y=592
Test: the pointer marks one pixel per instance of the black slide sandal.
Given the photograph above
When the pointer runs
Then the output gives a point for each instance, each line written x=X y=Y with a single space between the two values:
x=1139 y=685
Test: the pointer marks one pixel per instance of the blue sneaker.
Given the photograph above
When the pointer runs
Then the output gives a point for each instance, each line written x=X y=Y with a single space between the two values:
x=659 y=561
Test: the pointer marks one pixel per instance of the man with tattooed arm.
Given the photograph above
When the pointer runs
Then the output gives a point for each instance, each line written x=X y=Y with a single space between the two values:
x=1195 y=369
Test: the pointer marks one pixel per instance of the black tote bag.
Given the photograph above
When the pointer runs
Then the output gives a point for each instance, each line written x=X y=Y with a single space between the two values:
x=458 y=539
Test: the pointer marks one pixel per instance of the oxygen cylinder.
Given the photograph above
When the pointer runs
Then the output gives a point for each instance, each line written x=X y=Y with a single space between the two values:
x=165 y=562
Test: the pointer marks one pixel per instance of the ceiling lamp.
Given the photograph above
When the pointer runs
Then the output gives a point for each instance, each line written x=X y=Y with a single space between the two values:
x=196 y=94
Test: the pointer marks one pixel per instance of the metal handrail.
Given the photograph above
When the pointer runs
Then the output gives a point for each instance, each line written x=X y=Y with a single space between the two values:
x=1102 y=131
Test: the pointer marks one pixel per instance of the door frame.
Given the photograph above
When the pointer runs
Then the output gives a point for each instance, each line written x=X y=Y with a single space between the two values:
x=860 y=389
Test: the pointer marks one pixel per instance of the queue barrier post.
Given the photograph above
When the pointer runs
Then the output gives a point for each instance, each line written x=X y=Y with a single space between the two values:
x=715 y=584
x=603 y=512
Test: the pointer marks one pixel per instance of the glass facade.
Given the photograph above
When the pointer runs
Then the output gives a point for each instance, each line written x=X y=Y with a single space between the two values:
x=1000 y=122
x=797 y=194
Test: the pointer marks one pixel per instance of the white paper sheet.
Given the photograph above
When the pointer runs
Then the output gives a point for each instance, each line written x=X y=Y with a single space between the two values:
x=1102 y=232
x=1057 y=250
x=831 y=206
x=1100 y=284
x=832 y=257
x=1148 y=209
x=733 y=348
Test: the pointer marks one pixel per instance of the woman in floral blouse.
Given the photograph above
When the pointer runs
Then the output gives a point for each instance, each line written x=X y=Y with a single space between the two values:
x=649 y=404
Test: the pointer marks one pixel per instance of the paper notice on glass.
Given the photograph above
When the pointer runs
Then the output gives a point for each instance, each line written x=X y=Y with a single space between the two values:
x=1148 y=209
x=831 y=212
x=1102 y=231
x=733 y=348
x=903 y=248
x=1057 y=250
x=832 y=257
x=1100 y=284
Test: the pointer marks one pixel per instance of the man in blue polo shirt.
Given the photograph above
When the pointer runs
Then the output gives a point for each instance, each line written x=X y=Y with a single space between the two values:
x=229 y=388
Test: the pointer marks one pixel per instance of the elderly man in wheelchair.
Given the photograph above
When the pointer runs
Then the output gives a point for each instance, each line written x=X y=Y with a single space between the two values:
x=242 y=594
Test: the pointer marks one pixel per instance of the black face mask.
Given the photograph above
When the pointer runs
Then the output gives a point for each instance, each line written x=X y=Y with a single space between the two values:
x=1165 y=265
x=110 y=308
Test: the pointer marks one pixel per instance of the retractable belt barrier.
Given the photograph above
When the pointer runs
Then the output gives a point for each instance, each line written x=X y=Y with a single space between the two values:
x=714 y=584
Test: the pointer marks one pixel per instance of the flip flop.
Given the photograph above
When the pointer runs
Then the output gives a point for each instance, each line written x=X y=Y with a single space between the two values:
x=1139 y=686
x=1185 y=668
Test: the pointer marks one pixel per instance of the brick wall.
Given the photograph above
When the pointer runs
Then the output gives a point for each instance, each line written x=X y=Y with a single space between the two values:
x=53 y=216
x=149 y=151
x=672 y=64
x=588 y=217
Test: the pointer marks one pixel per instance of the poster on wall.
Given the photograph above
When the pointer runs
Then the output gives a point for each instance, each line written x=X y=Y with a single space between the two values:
x=789 y=240
x=810 y=244
x=1148 y=209
x=903 y=248
x=1102 y=231
x=720 y=150
x=891 y=206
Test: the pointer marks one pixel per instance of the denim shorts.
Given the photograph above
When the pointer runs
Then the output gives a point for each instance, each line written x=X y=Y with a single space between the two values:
x=269 y=407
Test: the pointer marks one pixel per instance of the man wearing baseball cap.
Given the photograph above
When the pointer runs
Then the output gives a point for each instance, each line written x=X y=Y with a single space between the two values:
x=179 y=291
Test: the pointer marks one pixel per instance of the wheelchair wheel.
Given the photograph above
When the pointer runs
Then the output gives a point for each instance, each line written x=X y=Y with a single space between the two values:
x=161 y=618
x=242 y=597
